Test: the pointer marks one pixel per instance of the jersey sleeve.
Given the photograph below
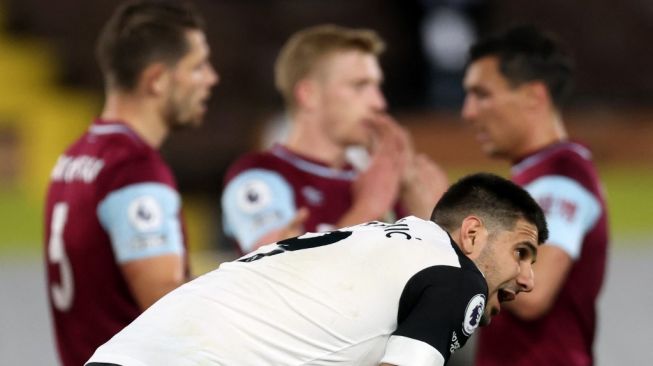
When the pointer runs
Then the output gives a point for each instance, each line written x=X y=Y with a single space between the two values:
x=254 y=203
x=570 y=209
x=439 y=310
x=142 y=221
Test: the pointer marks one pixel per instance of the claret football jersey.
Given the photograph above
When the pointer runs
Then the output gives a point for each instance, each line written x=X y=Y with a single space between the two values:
x=264 y=190
x=564 y=182
x=111 y=200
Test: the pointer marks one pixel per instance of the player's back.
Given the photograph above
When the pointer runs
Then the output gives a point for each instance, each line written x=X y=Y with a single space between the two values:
x=331 y=298
x=90 y=300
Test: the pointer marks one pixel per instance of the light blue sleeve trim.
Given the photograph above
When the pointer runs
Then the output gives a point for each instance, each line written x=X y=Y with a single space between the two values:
x=254 y=203
x=571 y=211
x=142 y=221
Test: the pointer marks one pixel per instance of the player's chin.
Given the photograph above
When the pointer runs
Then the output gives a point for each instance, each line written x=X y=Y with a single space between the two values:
x=492 y=309
x=486 y=318
x=489 y=149
x=197 y=116
x=358 y=140
x=185 y=123
x=198 y=119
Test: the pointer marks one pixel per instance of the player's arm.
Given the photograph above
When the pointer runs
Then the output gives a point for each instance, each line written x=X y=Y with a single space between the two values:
x=571 y=211
x=151 y=278
x=258 y=207
x=143 y=223
x=294 y=228
x=439 y=310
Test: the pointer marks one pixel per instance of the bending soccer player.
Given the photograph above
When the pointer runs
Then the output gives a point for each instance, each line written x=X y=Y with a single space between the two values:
x=404 y=293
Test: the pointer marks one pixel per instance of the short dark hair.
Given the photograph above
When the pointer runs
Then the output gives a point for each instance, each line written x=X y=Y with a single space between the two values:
x=526 y=54
x=495 y=200
x=141 y=32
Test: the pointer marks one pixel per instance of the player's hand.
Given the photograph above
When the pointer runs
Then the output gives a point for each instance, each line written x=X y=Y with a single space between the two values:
x=423 y=181
x=427 y=183
x=294 y=228
x=376 y=189
x=296 y=225
x=410 y=170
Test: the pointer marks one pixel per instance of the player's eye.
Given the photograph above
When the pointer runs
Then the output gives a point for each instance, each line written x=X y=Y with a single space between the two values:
x=522 y=254
x=200 y=66
x=360 y=85
x=481 y=94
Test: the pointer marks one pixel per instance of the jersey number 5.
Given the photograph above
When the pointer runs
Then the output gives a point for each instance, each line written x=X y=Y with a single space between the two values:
x=62 y=293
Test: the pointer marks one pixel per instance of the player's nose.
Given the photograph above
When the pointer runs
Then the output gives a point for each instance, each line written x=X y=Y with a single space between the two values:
x=526 y=278
x=378 y=101
x=213 y=77
x=469 y=110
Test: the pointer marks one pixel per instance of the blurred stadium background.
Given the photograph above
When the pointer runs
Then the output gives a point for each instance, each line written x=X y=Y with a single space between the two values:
x=50 y=89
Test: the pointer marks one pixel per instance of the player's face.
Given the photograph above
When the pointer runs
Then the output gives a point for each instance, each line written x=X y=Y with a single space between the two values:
x=506 y=261
x=192 y=80
x=350 y=96
x=494 y=109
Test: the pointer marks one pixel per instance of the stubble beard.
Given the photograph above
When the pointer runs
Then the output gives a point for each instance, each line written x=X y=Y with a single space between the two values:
x=175 y=121
x=485 y=263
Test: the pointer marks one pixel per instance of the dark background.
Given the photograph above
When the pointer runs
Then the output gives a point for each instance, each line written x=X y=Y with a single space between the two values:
x=610 y=40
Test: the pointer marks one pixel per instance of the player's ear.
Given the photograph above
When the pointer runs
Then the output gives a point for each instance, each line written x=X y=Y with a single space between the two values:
x=473 y=236
x=536 y=94
x=155 y=79
x=306 y=93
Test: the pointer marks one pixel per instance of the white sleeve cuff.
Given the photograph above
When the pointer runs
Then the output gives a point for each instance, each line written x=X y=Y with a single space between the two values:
x=404 y=351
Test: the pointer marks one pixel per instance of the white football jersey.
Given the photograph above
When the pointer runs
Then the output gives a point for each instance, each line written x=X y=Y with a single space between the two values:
x=399 y=293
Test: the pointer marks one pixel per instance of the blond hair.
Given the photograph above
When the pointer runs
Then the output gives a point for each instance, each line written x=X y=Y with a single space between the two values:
x=306 y=48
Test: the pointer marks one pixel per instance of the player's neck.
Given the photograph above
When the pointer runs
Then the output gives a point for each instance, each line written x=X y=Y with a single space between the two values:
x=141 y=116
x=549 y=132
x=307 y=139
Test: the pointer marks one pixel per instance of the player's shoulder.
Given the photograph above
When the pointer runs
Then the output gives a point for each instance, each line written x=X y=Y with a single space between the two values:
x=252 y=160
x=407 y=228
x=574 y=162
x=457 y=266
x=571 y=160
x=129 y=160
x=113 y=148
x=571 y=156
x=140 y=166
x=113 y=152
x=458 y=284
x=126 y=147
x=453 y=282
x=418 y=244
